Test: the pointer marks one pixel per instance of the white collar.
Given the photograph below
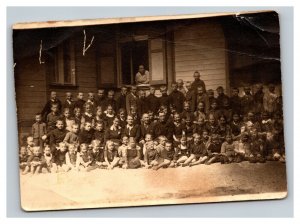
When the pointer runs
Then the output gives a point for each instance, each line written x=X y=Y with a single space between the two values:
x=112 y=129
x=128 y=126
x=87 y=114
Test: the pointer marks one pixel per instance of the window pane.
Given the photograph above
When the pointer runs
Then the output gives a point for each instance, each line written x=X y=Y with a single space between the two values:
x=67 y=62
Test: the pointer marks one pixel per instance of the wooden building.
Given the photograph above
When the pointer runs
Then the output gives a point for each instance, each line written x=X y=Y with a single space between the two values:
x=226 y=50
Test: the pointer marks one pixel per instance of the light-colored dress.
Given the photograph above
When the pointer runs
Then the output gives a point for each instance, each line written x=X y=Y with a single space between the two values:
x=142 y=79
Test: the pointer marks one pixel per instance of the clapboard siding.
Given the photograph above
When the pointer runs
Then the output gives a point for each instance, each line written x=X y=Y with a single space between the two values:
x=30 y=82
x=201 y=47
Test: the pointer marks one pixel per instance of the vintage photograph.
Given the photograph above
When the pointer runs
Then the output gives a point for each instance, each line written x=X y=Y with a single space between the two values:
x=149 y=110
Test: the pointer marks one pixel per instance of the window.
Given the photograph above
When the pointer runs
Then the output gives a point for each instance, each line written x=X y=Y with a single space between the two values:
x=61 y=63
x=133 y=54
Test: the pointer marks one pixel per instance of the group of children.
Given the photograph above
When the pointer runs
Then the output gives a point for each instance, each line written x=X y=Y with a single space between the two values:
x=188 y=127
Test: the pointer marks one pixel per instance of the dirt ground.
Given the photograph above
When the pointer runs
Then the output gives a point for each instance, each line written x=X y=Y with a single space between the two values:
x=118 y=187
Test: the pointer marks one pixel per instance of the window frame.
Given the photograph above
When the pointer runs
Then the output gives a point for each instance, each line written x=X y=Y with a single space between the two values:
x=58 y=63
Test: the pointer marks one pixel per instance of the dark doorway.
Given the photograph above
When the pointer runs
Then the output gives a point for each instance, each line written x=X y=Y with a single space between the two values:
x=133 y=54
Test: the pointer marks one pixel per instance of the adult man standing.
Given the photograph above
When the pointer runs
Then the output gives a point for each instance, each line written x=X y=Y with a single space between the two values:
x=131 y=99
x=121 y=101
x=202 y=97
x=100 y=100
x=198 y=82
x=176 y=98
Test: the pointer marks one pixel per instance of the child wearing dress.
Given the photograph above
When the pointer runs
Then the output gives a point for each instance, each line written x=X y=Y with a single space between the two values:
x=122 y=152
x=83 y=159
x=34 y=162
x=133 y=154
x=182 y=151
x=71 y=158
x=110 y=155
x=227 y=150
x=49 y=159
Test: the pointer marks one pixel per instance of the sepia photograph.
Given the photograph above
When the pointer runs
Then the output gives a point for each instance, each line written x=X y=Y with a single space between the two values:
x=142 y=111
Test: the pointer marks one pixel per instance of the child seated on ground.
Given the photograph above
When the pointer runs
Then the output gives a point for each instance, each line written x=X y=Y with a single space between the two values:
x=68 y=120
x=30 y=145
x=272 y=152
x=122 y=152
x=198 y=152
x=257 y=148
x=96 y=156
x=72 y=137
x=71 y=158
x=34 y=162
x=214 y=150
x=23 y=157
x=166 y=157
x=110 y=155
x=59 y=164
x=49 y=159
x=87 y=134
x=150 y=155
x=242 y=148
x=133 y=154
x=182 y=151
x=83 y=158
x=177 y=127
x=148 y=138
x=161 y=140
x=227 y=150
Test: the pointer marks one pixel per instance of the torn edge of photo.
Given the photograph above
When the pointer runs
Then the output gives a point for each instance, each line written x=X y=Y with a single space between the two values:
x=149 y=110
